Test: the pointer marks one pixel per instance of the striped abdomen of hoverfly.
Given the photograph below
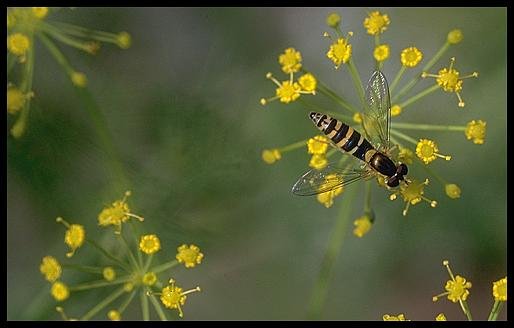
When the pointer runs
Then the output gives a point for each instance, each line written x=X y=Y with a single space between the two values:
x=352 y=142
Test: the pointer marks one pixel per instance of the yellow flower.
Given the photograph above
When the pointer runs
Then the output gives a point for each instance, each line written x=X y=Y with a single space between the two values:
x=500 y=290
x=78 y=79
x=60 y=291
x=318 y=162
x=189 y=255
x=74 y=238
x=308 y=83
x=405 y=155
x=128 y=287
x=362 y=226
x=357 y=118
x=412 y=194
x=452 y=190
x=340 y=51
x=456 y=288
x=40 y=12
x=427 y=151
x=333 y=20
x=124 y=40
x=18 y=44
x=396 y=110
x=440 y=317
x=376 y=23
x=317 y=145
x=399 y=317
x=291 y=61
x=455 y=36
x=108 y=273
x=149 y=244
x=270 y=156
x=381 y=52
x=411 y=56
x=288 y=91
x=173 y=297
x=327 y=198
x=114 y=315
x=449 y=80
x=50 y=268
x=116 y=214
x=16 y=99
x=475 y=130
x=149 y=279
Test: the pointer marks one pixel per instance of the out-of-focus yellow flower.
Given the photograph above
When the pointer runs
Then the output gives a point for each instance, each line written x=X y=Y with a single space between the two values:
x=452 y=190
x=60 y=291
x=412 y=194
x=475 y=130
x=455 y=36
x=109 y=273
x=114 y=315
x=189 y=255
x=399 y=317
x=291 y=60
x=18 y=44
x=362 y=225
x=317 y=145
x=440 y=317
x=270 y=156
x=50 y=268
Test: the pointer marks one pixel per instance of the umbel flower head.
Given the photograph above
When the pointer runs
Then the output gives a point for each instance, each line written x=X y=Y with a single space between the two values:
x=27 y=26
x=416 y=150
x=127 y=273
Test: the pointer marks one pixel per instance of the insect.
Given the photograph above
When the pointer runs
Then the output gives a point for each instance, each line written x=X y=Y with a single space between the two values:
x=374 y=154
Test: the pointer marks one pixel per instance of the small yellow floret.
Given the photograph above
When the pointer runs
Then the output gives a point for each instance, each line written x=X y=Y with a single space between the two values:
x=396 y=110
x=189 y=255
x=376 y=23
x=270 y=156
x=290 y=60
x=427 y=151
x=79 y=79
x=124 y=40
x=18 y=44
x=500 y=290
x=410 y=57
x=333 y=20
x=452 y=190
x=362 y=225
x=318 y=162
x=50 y=268
x=440 y=317
x=381 y=52
x=340 y=52
x=308 y=83
x=475 y=130
x=40 y=12
x=149 y=279
x=455 y=36
x=399 y=317
x=149 y=244
x=114 y=315
x=317 y=145
x=109 y=273
x=60 y=291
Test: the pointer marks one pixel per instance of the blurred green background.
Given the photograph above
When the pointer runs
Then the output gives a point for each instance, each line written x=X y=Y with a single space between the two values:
x=182 y=105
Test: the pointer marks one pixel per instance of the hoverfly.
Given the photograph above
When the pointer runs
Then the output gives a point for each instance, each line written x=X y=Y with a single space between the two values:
x=374 y=155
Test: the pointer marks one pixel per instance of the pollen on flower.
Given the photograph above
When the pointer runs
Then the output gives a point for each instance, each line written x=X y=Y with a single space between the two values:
x=60 y=291
x=189 y=255
x=410 y=57
x=327 y=198
x=405 y=155
x=399 y=317
x=270 y=156
x=79 y=79
x=396 y=110
x=381 y=52
x=173 y=297
x=376 y=23
x=149 y=279
x=50 y=268
x=412 y=194
x=288 y=91
x=308 y=83
x=291 y=60
x=116 y=214
x=440 y=317
x=318 y=162
x=427 y=151
x=449 y=79
x=149 y=244
x=108 y=273
x=333 y=20
x=74 y=237
x=114 y=315
x=18 y=44
x=40 y=12
x=362 y=225
x=124 y=40
x=340 y=51
x=317 y=145
x=357 y=118
x=16 y=99
x=500 y=290
x=452 y=190
x=475 y=130
x=456 y=288
x=455 y=36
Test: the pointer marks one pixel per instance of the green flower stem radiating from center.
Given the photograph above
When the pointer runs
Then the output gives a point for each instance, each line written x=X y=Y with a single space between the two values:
x=163 y=267
x=157 y=306
x=144 y=305
x=495 y=311
x=108 y=300
x=357 y=81
x=100 y=283
x=427 y=127
x=319 y=293
x=418 y=96
x=397 y=79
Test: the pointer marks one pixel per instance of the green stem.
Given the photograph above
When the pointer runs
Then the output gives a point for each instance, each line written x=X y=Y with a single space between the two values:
x=129 y=251
x=100 y=283
x=158 y=308
x=11 y=60
x=144 y=305
x=419 y=96
x=437 y=176
x=82 y=268
x=106 y=254
x=148 y=262
x=495 y=311
x=56 y=53
x=367 y=202
x=397 y=79
x=85 y=32
x=135 y=234
x=108 y=300
x=356 y=80
x=415 y=80
x=466 y=310
x=127 y=301
x=57 y=34
x=404 y=137
x=319 y=293
x=427 y=127
x=296 y=145
x=164 y=267
x=335 y=97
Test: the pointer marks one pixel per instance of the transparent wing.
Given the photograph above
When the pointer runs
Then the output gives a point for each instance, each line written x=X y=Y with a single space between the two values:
x=376 y=118
x=316 y=182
